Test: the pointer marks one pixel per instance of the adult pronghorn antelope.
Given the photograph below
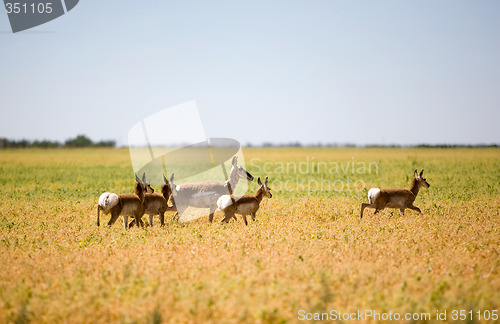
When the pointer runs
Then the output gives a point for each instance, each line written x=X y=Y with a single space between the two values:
x=396 y=198
x=243 y=205
x=124 y=204
x=205 y=194
x=157 y=204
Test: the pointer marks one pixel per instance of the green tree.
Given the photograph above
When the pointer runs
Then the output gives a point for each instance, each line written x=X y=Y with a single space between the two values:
x=79 y=141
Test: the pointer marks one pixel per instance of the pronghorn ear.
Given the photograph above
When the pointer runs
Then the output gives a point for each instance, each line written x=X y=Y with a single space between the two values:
x=421 y=172
x=137 y=178
x=258 y=181
x=164 y=179
x=415 y=173
x=234 y=161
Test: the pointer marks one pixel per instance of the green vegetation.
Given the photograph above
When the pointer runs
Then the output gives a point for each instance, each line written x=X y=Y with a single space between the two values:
x=307 y=250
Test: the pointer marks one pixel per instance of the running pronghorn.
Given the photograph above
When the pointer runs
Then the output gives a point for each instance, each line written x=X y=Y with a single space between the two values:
x=157 y=204
x=124 y=204
x=243 y=205
x=205 y=194
x=395 y=198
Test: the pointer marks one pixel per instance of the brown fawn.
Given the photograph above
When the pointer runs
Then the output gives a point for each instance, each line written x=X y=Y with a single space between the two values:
x=243 y=205
x=157 y=204
x=395 y=198
x=124 y=204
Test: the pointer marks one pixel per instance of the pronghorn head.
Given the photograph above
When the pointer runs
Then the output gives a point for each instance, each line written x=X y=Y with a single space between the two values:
x=265 y=188
x=421 y=181
x=238 y=171
x=140 y=187
x=147 y=185
x=173 y=187
x=165 y=189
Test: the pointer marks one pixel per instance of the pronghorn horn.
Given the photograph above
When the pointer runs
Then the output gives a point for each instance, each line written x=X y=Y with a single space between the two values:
x=172 y=178
x=258 y=181
x=235 y=160
x=144 y=177
x=137 y=178
x=266 y=181
x=164 y=179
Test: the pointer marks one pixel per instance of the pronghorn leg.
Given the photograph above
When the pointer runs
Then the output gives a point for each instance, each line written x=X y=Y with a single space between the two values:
x=211 y=216
x=228 y=216
x=365 y=205
x=415 y=208
x=180 y=211
x=253 y=216
x=132 y=223
x=138 y=220
x=125 y=221
x=151 y=220
x=162 y=219
x=173 y=208
x=402 y=211
x=114 y=217
x=245 y=219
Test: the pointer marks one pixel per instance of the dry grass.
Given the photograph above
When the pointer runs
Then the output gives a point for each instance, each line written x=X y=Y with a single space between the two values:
x=308 y=250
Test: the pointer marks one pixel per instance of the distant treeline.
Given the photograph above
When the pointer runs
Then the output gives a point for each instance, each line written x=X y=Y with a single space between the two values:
x=79 y=141
x=84 y=141
x=347 y=145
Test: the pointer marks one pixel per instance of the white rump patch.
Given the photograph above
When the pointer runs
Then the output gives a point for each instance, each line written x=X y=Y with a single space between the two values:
x=108 y=200
x=373 y=193
x=224 y=201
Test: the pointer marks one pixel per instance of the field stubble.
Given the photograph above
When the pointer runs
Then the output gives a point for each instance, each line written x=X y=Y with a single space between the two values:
x=308 y=249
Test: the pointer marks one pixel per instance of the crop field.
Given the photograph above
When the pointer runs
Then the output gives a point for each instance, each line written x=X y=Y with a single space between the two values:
x=307 y=254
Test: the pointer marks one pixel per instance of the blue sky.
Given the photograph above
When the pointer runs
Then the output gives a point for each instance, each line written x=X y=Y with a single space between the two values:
x=364 y=72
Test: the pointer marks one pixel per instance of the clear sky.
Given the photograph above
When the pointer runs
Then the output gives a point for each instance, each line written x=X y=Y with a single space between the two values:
x=364 y=72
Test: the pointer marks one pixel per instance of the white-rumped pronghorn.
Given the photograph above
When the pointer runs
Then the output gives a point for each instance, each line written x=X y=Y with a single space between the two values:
x=205 y=194
x=123 y=204
x=243 y=205
x=395 y=198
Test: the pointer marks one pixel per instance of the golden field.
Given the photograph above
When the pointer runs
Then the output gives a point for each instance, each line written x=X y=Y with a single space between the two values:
x=307 y=251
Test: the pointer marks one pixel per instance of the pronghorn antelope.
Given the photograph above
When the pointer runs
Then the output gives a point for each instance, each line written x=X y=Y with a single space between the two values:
x=395 y=198
x=243 y=204
x=205 y=194
x=124 y=204
x=157 y=204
